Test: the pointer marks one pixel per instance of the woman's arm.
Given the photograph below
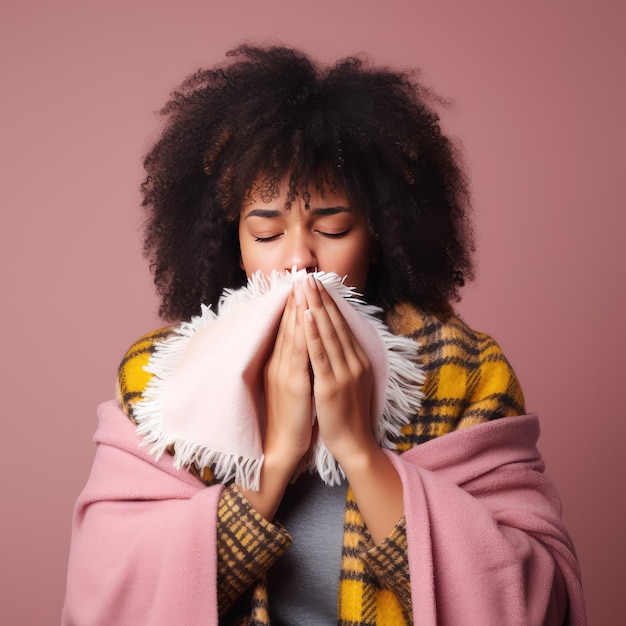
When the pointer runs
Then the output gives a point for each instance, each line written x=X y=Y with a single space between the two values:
x=288 y=427
x=342 y=377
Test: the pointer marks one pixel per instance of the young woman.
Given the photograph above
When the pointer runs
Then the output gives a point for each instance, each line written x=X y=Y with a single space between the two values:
x=272 y=164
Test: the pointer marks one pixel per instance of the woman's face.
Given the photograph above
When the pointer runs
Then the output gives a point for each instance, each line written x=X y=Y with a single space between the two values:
x=330 y=236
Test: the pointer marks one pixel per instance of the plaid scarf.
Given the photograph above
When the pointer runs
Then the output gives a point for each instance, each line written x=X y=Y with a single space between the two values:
x=468 y=381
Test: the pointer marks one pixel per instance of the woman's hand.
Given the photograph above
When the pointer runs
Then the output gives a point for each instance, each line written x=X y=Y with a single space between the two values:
x=287 y=383
x=342 y=376
x=342 y=386
x=288 y=423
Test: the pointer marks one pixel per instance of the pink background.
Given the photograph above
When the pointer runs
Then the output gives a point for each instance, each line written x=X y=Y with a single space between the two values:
x=539 y=89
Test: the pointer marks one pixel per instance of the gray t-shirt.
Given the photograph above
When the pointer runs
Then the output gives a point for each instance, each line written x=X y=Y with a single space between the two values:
x=303 y=585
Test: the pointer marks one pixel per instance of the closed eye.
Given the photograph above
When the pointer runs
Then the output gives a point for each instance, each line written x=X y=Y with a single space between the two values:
x=267 y=239
x=334 y=235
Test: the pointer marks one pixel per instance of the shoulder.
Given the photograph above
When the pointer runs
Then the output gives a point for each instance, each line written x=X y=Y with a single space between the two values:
x=444 y=340
x=468 y=378
x=132 y=378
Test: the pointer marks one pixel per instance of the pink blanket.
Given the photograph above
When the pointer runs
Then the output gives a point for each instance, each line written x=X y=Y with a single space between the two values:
x=486 y=540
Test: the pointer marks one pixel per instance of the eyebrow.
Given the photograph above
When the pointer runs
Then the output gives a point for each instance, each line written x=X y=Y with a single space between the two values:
x=270 y=213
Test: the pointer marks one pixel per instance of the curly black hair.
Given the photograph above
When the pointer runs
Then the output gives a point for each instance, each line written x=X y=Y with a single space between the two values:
x=271 y=113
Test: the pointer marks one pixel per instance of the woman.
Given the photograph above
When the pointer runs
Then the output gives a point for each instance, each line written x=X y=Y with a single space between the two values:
x=270 y=163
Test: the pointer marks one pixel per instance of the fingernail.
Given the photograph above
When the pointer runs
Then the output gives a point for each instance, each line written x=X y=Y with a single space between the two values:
x=312 y=281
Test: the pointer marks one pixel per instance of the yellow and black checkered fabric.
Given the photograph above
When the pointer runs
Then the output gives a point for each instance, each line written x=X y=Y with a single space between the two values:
x=468 y=381
x=247 y=544
x=132 y=377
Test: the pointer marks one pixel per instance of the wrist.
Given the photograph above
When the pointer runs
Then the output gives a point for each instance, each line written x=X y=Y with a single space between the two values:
x=377 y=489
x=279 y=464
x=358 y=459
x=284 y=451
x=355 y=453
x=276 y=473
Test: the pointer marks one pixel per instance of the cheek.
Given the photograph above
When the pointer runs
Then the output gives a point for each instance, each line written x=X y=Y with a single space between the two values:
x=354 y=262
x=255 y=258
x=249 y=263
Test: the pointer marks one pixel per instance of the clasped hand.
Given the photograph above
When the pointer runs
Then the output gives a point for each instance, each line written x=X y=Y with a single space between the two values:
x=316 y=353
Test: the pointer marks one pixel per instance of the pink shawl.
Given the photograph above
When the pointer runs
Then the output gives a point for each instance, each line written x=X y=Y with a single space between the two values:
x=486 y=540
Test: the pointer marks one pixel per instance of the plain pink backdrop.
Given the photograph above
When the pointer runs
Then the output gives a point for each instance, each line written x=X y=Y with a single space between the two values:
x=540 y=99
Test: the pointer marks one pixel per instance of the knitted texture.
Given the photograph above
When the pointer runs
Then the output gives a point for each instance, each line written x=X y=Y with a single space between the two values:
x=468 y=381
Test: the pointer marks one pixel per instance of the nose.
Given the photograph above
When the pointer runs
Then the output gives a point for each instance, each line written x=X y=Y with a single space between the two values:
x=299 y=252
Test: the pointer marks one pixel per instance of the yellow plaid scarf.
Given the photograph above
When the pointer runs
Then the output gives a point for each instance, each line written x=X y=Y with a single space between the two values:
x=468 y=381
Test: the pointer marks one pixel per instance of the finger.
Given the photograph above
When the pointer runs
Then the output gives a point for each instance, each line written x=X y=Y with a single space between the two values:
x=344 y=332
x=299 y=357
x=333 y=329
x=317 y=352
x=326 y=342
x=353 y=351
x=282 y=326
